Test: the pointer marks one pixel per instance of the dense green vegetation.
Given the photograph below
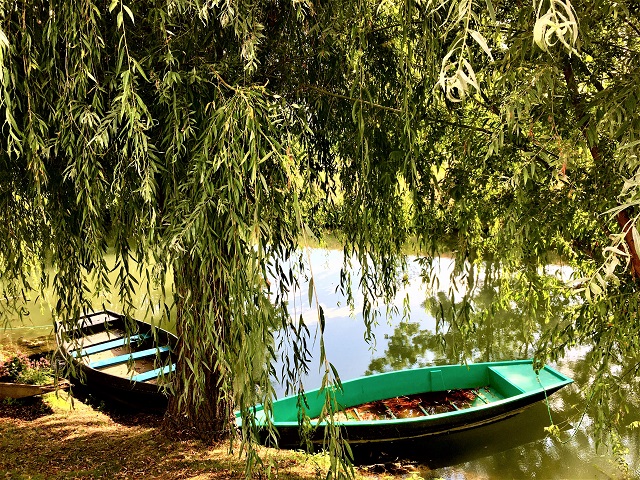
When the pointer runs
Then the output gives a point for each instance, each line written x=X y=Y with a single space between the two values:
x=205 y=139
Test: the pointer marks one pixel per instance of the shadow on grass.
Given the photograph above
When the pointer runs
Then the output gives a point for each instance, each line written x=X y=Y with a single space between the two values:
x=26 y=409
x=119 y=413
x=85 y=443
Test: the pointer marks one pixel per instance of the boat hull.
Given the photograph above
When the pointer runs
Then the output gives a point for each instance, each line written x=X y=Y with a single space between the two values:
x=23 y=390
x=119 y=387
x=505 y=388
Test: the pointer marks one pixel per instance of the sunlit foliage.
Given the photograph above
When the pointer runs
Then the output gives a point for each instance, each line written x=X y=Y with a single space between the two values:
x=203 y=140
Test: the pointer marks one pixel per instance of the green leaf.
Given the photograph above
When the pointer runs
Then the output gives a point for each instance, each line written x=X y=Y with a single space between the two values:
x=139 y=68
x=4 y=41
x=129 y=12
x=322 y=319
x=491 y=10
x=480 y=40
x=336 y=376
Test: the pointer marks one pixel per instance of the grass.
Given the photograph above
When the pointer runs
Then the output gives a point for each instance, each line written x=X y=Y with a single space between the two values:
x=60 y=437
x=55 y=437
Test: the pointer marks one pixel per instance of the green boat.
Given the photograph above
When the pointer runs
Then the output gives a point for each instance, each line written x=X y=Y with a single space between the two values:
x=420 y=402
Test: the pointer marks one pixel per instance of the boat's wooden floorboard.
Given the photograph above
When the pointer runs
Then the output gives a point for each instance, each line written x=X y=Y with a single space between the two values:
x=419 y=405
x=123 y=370
x=114 y=352
x=486 y=395
x=96 y=338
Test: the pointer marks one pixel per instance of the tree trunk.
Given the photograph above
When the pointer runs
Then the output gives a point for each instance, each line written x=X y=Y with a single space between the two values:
x=199 y=407
x=623 y=221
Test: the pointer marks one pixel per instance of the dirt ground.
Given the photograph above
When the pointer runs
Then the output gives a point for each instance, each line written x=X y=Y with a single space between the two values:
x=50 y=439
x=53 y=437
x=60 y=437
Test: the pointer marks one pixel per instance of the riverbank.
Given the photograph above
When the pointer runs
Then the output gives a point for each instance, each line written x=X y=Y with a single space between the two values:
x=58 y=436
x=54 y=437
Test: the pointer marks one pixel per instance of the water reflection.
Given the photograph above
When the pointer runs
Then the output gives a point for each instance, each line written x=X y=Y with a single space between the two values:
x=448 y=328
x=470 y=329
x=515 y=448
x=36 y=323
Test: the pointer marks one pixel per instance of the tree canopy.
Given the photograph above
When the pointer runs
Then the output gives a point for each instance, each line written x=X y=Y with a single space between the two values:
x=207 y=139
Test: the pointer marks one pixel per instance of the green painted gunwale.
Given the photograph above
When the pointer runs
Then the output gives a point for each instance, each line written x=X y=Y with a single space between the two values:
x=514 y=380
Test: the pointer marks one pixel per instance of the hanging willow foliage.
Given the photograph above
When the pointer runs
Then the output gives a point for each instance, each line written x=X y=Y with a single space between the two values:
x=200 y=141
x=183 y=139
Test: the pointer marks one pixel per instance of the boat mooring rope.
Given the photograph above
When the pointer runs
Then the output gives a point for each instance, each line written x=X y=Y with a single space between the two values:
x=584 y=412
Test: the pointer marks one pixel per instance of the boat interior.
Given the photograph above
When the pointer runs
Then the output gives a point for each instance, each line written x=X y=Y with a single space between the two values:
x=103 y=345
x=422 y=392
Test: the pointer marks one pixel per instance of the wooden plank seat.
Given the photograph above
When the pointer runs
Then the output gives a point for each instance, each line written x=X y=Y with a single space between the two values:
x=101 y=347
x=143 y=377
x=107 y=362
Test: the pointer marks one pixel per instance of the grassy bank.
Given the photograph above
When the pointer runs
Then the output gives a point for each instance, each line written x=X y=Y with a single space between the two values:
x=49 y=438
x=57 y=436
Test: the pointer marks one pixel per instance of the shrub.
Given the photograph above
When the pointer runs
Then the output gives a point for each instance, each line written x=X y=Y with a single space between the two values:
x=21 y=369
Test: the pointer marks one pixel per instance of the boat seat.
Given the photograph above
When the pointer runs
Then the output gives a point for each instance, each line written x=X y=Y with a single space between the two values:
x=107 y=362
x=509 y=380
x=101 y=347
x=525 y=379
x=143 y=377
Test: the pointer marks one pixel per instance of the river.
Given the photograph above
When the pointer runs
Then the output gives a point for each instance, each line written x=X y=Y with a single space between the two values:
x=518 y=447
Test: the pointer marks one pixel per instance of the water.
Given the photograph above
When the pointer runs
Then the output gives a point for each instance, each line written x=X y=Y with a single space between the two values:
x=37 y=325
x=518 y=447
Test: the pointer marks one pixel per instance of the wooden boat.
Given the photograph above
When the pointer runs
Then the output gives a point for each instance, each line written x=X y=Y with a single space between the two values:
x=419 y=402
x=129 y=369
x=23 y=390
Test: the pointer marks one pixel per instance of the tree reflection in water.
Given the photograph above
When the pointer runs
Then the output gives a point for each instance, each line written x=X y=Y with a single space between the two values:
x=477 y=328
x=482 y=327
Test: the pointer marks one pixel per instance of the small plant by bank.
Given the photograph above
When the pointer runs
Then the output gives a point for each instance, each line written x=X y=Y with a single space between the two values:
x=19 y=368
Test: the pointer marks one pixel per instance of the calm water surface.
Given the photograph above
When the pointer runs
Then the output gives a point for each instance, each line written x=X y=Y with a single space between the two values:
x=518 y=447
x=514 y=448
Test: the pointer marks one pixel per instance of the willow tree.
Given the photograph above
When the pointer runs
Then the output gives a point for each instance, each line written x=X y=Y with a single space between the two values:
x=189 y=139
x=205 y=139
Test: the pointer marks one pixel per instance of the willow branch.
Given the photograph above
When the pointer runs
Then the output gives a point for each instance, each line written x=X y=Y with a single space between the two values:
x=492 y=109
x=630 y=24
x=583 y=118
x=222 y=81
x=397 y=110
x=459 y=125
x=352 y=99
